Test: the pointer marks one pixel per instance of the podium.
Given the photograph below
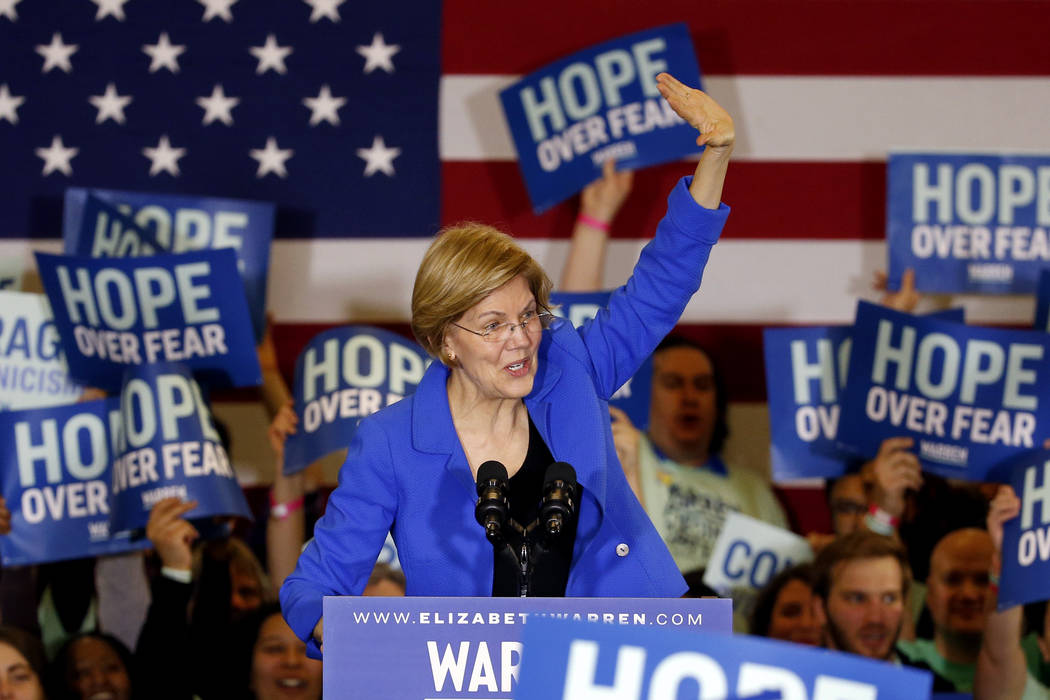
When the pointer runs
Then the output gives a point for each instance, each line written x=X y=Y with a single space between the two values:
x=419 y=648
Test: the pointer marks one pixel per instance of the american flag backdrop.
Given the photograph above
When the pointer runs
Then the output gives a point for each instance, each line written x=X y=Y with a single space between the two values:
x=371 y=123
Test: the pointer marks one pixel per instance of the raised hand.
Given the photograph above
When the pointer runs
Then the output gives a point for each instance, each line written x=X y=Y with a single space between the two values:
x=904 y=299
x=895 y=470
x=172 y=536
x=603 y=198
x=700 y=111
x=284 y=424
x=1004 y=506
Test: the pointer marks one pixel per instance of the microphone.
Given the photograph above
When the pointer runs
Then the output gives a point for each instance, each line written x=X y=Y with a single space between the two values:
x=491 y=510
x=559 y=497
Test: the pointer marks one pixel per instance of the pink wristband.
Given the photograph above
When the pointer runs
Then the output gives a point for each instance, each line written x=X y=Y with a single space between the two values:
x=593 y=222
x=280 y=511
x=881 y=516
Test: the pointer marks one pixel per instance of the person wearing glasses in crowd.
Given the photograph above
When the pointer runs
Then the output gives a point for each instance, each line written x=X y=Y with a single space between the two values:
x=515 y=386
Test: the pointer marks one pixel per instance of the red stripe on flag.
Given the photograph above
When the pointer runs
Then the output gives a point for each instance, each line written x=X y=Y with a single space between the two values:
x=763 y=37
x=816 y=200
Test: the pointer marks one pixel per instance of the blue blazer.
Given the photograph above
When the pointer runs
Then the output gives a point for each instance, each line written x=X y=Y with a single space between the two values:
x=406 y=471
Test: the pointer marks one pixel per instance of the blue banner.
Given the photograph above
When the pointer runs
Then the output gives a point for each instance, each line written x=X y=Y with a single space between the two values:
x=158 y=223
x=341 y=376
x=1042 y=302
x=112 y=313
x=571 y=116
x=464 y=648
x=970 y=397
x=33 y=371
x=55 y=470
x=967 y=222
x=1026 y=539
x=167 y=446
x=573 y=660
x=633 y=397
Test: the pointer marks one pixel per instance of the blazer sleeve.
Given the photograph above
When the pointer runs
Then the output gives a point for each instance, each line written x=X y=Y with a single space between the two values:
x=648 y=306
x=348 y=537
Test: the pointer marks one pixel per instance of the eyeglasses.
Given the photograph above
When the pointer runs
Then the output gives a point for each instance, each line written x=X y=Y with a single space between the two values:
x=495 y=332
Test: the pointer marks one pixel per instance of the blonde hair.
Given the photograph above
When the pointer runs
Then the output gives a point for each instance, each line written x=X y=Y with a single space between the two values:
x=463 y=265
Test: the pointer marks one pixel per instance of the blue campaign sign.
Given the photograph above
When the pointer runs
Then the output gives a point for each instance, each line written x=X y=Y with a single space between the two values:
x=464 y=648
x=1026 y=539
x=112 y=313
x=167 y=446
x=969 y=396
x=806 y=372
x=968 y=222
x=175 y=224
x=341 y=376
x=574 y=660
x=571 y=116
x=55 y=474
x=33 y=371
x=1042 y=302
x=633 y=397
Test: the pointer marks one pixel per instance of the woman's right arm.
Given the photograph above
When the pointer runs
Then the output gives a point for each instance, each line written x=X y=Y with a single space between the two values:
x=348 y=537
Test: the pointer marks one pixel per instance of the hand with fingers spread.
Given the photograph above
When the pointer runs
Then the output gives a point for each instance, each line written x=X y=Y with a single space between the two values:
x=5 y=517
x=904 y=299
x=602 y=199
x=700 y=111
x=171 y=534
x=895 y=470
x=285 y=423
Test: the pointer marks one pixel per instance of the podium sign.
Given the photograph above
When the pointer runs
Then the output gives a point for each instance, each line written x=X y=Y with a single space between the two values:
x=464 y=648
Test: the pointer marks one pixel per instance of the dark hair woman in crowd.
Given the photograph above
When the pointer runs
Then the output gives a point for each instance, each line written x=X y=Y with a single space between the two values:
x=784 y=608
x=509 y=389
x=22 y=664
x=93 y=666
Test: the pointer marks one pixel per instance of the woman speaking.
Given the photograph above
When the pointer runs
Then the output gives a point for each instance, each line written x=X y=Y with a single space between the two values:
x=516 y=386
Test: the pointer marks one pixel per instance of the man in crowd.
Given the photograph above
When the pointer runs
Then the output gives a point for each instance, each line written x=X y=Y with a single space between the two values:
x=957 y=596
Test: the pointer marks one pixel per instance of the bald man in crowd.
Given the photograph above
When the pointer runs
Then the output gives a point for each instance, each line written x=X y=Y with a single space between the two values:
x=958 y=598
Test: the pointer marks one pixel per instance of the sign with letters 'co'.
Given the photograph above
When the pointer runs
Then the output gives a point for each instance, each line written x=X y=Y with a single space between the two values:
x=968 y=222
x=158 y=223
x=167 y=446
x=33 y=370
x=582 y=661
x=749 y=553
x=342 y=375
x=1042 y=302
x=633 y=397
x=112 y=313
x=55 y=472
x=464 y=648
x=571 y=116
x=1026 y=539
x=970 y=397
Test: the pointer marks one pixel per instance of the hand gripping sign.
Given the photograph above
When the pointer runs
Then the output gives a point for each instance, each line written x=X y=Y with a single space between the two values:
x=167 y=446
x=341 y=376
x=33 y=370
x=601 y=103
x=634 y=396
x=585 y=661
x=112 y=313
x=113 y=223
x=970 y=397
x=968 y=222
x=55 y=471
x=1026 y=539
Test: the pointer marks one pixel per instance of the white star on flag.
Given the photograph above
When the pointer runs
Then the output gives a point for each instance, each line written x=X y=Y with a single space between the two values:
x=164 y=157
x=57 y=157
x=324 y=8
x=163 y=54
x=378 y=54
x=56 y=54
x=379 y=157
x=218 y=106
x=324 y=107
x=109 y=8
x=7 y=9
x=9 y=104
x=271 y=159
x=110 y=105
x=270 y=55
x=217 y=8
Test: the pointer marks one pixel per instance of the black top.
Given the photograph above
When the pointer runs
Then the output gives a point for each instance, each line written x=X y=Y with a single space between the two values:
x=548 y=558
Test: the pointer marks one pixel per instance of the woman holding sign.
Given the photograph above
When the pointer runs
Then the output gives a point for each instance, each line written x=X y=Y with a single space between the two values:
x=516 y=386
